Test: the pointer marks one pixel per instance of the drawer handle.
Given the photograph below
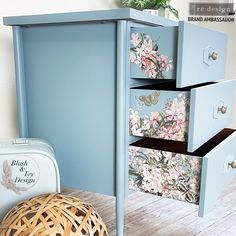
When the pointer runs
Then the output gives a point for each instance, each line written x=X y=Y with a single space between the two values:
x=232 y=164
x=222 y=109
x=214 y=56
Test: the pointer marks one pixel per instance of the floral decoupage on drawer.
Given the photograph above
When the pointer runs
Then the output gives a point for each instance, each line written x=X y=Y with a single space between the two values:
x=153 y=54
x=165 y=174
x=159 y=114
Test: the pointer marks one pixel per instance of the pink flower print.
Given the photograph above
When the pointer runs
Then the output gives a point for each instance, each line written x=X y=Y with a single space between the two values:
x=134 y=117
x=151 y=72
x=165 y=189
x=157 y=185
x=195 y=165
x=145 y=54
x=155 y=116
x=133 y=185
x=165 y=177
x=172 y=132
x=155 y=120
x=170 y=123
x=149 y=66
x=175 y=133
x=172 y=118
x=195 y=183
x=147 y=62
x=165 y=63
x=173 y=174
x=146 y=124
x=167 y=135
x=136 y=39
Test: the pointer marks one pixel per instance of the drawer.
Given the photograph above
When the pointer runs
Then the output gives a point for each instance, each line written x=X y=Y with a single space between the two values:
x=192 y=114
x=166 y=169
x=187 y=53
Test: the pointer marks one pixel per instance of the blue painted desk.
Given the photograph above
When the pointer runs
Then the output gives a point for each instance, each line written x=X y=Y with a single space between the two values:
x=73 y=80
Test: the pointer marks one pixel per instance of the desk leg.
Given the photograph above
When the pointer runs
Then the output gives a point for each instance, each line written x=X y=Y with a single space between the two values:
x=121 y=125
x=20 y=81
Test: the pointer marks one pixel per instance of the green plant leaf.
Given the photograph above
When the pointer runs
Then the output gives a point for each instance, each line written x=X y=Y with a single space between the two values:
x=150 y=4
x=174 y=11
x=139 y=4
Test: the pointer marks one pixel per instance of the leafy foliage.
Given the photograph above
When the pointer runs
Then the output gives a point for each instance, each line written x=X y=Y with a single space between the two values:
x=139 y=4
x=149 y=4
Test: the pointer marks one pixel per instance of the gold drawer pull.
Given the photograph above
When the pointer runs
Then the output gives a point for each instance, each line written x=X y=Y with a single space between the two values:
x=214 y=56
x=232 y=164
x=222 y=109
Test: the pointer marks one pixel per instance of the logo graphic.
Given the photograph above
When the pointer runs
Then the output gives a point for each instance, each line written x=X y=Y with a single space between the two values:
x=19 y=174
x=211 y=9
x=222 y=11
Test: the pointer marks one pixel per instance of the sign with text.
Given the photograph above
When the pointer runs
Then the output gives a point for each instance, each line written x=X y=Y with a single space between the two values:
x=19 y=174
x=211 y=12
x=211 y=9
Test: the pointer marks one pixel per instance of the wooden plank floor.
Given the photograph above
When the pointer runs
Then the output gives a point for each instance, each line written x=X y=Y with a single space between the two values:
x=148 y=215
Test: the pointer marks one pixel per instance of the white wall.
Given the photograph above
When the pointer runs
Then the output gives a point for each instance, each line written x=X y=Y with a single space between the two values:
x=8 y=111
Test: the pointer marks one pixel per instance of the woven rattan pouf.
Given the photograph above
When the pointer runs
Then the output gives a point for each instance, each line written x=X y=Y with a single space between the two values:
x=53 y=215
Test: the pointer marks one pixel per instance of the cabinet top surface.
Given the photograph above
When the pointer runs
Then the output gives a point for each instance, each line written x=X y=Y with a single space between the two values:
x=89 y=16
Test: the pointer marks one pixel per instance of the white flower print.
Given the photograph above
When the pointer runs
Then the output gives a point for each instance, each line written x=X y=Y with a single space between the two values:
x=136 y=39
x=144 y=53
x=165 y=174
x=169 y=123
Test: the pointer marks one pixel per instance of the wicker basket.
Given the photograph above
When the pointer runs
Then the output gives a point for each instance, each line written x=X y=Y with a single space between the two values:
x=53 y=215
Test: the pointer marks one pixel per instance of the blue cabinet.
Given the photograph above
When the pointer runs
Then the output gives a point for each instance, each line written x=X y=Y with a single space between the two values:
x=75 y=73
x=187 y=53
x=161 y=111
x=197 y=177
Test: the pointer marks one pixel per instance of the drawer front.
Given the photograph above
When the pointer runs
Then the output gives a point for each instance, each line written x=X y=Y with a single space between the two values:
x=165 y=174
x=159 y=114
x=188 y=53
x=216 y=172
x=211 y=110
x=201 y=55
x=153 y=52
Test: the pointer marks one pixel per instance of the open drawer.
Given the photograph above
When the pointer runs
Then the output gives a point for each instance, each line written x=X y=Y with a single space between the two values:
x=193 y=114
x=187 y=53
x=165 y=168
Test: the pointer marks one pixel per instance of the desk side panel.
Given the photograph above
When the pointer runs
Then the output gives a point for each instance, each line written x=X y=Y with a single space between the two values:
x=70 y=94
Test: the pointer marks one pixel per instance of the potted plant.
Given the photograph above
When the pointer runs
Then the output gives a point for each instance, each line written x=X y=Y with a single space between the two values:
x=151 y=5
